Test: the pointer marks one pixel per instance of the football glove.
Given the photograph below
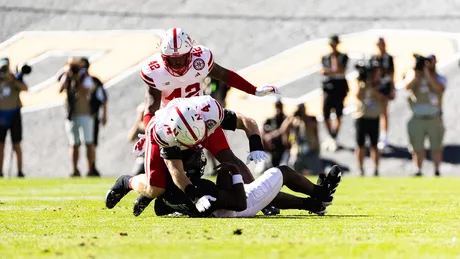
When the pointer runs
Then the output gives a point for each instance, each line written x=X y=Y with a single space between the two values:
x=138 y=148
x=266 y=90
x=256 y=156
x=204 y=203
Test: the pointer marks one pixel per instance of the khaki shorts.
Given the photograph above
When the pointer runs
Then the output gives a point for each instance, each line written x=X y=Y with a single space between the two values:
x=80 y=124
x=420 y=128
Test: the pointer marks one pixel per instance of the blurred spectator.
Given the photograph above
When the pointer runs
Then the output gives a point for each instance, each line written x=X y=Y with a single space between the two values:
x=218 y=90
x=367 y=114
x=335 y=89
x=78 y=85
x=98 y=98
x=426 y=88
x=387 y=87
x=305 y=143
x=136 y=129
x=10 y=112
x=275 y=144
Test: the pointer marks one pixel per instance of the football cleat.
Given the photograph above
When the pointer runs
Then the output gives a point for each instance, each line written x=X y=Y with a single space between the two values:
x=331 y=182
x=317 y=207
x=270 y=211
x=140 y=204
x=117 y=192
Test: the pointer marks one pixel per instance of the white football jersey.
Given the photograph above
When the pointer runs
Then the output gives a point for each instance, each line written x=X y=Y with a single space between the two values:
x=190 y=84
x=159 y=130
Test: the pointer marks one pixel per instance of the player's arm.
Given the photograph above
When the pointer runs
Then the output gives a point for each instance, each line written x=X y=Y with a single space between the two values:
x=234 y=80
x=173 y=160
x=231 y=194
x=176 y=169
x=152 y=101
x=232 y=121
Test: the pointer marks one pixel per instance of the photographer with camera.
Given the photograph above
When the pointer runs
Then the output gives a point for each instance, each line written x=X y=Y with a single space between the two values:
x=387 y=87
x=426 y=88
x=367 y=114
x=77 y=84
x=10 y=112
x=335 y=89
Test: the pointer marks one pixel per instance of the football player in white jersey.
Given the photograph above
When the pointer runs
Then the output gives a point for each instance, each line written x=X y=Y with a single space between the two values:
x=178 y=72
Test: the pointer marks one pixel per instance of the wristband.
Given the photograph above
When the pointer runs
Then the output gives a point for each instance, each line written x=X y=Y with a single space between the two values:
x=147 y=118
x=237 y=178
x=255 y=143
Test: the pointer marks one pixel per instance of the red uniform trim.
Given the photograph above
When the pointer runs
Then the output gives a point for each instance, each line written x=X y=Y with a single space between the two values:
x=147 y=118
x=175 y=39
x=236 y=81
x=186 y=124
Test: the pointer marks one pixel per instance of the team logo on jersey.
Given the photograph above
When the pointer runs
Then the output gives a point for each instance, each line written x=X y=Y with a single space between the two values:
x=198 y=64
x=210 y=124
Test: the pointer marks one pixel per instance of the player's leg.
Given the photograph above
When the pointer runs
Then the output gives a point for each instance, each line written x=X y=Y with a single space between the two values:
x=153 y=183
x=298 y=183
x=287 y=201
x=261 y=192
x=149 y=185
x=218 y=146
x=325 y=192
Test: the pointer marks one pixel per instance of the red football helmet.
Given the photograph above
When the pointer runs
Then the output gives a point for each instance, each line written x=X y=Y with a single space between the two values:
x=176 y=51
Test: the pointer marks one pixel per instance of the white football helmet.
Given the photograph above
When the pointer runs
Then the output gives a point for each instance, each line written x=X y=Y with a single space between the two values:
x=176 y=51
x=188 y=126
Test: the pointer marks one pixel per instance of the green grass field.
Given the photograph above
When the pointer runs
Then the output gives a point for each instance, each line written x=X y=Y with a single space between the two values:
x=370 y=218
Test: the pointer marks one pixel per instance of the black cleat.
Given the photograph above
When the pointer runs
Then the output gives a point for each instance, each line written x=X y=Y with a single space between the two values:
x=332 y=181
x=76 y=173
x=21 y=174
x=93 y=173
x=140 y=204
x=418 y=174
x=117 y=192
x=321 y=178
x=1 y=174
x=270 y=211
x=316 y=206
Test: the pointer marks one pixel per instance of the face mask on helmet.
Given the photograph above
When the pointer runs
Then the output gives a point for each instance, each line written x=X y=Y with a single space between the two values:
x=176 y=51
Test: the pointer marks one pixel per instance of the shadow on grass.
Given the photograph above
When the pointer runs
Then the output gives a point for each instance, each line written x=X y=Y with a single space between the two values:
x=311 y=216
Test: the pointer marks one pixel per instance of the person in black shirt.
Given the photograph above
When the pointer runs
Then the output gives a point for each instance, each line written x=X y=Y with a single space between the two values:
x=387 y=87
x=98 y=99
x=335 y=88
x=277 y=145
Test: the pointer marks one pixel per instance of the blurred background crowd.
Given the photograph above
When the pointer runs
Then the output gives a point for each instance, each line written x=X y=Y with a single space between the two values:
x=291 y=139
